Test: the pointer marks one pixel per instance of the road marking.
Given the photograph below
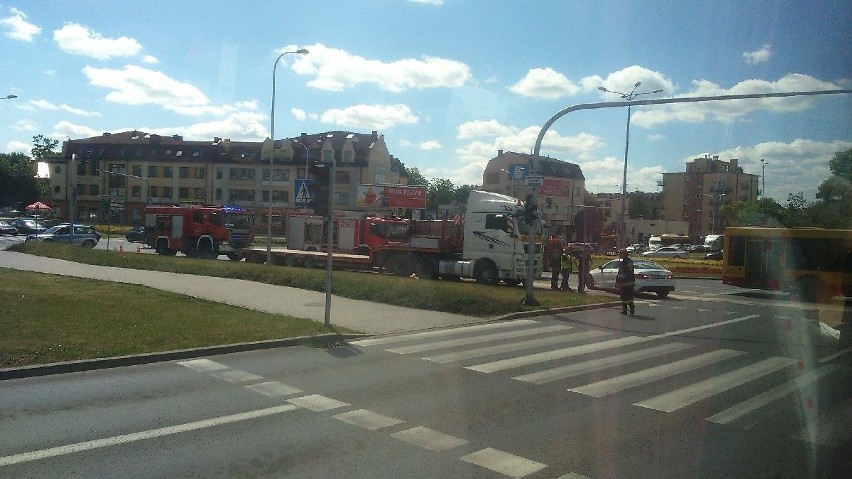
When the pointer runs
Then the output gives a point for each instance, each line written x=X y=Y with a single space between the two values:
x=685 y=396
x=429 y=438
x=203 y=365
x=509 y=347
x=449 y=343
x=572 y=475
x=367 y=419
x=746 y=407
x=519 y=361
x=139 y=436
x=548 y=375
x=842 y=352
x=317 y=403
x=503 y=462
x=273 y=389
x=236 y=376
x=442 y=332
x=647 y=376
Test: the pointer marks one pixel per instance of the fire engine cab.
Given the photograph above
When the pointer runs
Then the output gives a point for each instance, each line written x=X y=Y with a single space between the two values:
x=196 y=231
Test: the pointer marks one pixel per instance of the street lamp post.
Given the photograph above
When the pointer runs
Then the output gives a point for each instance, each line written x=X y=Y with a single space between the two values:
x=628 y=97
x=763 y=164
x=300 y=51
x=715 y=205
x=8 y=97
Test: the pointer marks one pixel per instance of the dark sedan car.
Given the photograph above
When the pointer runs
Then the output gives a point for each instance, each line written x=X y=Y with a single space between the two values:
x=28 y=226
x=136 y=234
x=7 y=229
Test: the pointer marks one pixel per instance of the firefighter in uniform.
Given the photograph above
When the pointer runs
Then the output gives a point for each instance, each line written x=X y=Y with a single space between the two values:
x=625 y=280
x=567 y=266
x=554 y=261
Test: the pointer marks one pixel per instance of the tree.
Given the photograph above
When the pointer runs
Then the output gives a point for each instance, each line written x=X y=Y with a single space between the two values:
x=841 y=165
x=18 y=184
x=42 y=147
x=440 y=192
x=415 y=177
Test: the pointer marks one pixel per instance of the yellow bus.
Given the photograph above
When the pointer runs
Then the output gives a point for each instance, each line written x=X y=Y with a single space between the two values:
x=813 y=264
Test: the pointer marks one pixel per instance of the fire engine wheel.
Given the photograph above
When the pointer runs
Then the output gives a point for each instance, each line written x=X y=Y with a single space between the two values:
x=485 y=272
x=207 y=250
x=399 y=265
x=423 y=269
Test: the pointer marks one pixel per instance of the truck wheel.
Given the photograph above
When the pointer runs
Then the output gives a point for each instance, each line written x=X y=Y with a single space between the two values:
x=512 y=282
x=399 y=265
x=423 y=269
x=207 y=250
x=485 y=272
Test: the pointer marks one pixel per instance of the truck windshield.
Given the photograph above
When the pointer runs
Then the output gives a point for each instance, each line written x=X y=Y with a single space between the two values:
x=396 y=231
x=238 y=221
x=216 y=218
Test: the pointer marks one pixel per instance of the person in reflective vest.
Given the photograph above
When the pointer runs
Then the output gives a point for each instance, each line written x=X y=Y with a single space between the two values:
x=567 y=266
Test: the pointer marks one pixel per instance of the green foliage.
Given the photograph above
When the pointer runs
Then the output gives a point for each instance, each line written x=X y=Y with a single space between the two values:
x=43 y=147
x=18 y=184
x=841 y=165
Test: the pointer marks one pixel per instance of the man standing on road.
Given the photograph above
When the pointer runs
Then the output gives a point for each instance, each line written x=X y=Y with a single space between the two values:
x=584 y=261
x=554 y=260
x=567 y=266
x=625 y=280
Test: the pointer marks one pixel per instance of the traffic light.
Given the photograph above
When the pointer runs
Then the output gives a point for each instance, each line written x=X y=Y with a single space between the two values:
x=530 y=209
x=320 y=189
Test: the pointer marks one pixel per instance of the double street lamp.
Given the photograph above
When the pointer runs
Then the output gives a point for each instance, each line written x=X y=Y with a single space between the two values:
x=8 y=97
x=628 y=97
x=300 y=51
x=715 y=205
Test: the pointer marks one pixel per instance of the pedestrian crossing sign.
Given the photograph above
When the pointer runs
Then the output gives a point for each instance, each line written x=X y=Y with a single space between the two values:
x=303 y=193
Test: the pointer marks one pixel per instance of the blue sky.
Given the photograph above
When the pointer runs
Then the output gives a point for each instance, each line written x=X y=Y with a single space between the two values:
x=447 y=82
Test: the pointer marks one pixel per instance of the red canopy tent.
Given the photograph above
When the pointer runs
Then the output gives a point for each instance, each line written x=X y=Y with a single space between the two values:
x=38 y=205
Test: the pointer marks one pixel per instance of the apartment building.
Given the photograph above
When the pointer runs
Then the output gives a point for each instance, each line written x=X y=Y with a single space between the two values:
x=697 y=194
x=560 y=197
x=129 y=170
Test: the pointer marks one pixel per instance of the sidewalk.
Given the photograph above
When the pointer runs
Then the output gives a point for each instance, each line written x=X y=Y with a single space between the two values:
x=361 y=316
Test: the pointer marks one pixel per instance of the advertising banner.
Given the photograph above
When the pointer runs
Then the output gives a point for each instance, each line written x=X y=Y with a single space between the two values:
x=555 y=187
x=382 y=197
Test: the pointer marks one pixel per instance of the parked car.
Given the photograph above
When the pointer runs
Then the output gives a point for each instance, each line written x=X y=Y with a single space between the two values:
x=667 y=252
x=715 y=255
x=650 y=277
x=7 y=229
x=136 y=234
x=636 y=248
x=84 y=235
x=27 y=226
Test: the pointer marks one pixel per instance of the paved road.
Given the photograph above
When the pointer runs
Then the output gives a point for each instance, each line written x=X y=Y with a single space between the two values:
x=687 y=388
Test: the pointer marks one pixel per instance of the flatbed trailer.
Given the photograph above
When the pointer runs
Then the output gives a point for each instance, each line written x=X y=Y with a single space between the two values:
x=306 y=259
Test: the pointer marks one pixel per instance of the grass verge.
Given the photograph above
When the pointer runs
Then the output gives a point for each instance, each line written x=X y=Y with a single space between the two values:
x=48 y=318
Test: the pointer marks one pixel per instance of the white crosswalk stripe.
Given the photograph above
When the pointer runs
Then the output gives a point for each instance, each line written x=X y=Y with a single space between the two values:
x=449 y=343
x=519 y=346
x=647 y=376
x=685 y=396
x=553 y=374
x=442 y=332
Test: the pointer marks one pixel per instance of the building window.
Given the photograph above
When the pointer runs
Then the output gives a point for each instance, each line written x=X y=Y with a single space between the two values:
x=152 y=172
x=218 y=194
x=327 y=155
x=240 y=195
x=242 y=173
x=220 y=172
x=184 y=172
x=341 y=177
x=152 y=191
x=183 y=193
x=341 y=198
x=200 y=172
x=348 y=156
x=136 y=191
x=168 y=172
x=199 y=193
x=136 y=170
x=167 y=192
x=93 y=190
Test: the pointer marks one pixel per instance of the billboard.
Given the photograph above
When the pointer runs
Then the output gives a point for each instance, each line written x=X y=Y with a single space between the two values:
x=387 y=196
x=555 y=187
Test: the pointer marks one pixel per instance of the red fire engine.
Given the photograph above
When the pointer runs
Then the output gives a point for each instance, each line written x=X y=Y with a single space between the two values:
x=196 y=231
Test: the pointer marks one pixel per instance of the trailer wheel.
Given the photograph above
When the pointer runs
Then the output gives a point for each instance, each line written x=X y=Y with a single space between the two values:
x=163 y=248
x=512 y=282
x=423 y=269
x=234 y=256
x=400 y=265
x=485 y=272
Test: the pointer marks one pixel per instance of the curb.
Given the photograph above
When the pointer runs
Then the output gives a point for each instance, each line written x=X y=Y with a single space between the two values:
x=323 y=340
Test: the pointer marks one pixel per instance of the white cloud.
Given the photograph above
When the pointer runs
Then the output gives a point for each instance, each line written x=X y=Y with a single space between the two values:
x=730 y=111
x=18 y=147
x=798 y=166
x=150 y=59
x=43 y=105
x=761 y=55
x=625 y=80
x=436 y=3
x=546 y=84
x=78 y=111
x=135 y=85
x=80 y=40
x=18 y=28
x=299 y=114
x=430 y=145
x=66 y=129
x=656 y=137
x=374 y=117
x=25 y=125
x=478 y=129
x=334 y=69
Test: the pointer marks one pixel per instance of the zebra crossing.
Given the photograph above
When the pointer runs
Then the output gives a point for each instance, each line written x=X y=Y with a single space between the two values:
x=664 y=376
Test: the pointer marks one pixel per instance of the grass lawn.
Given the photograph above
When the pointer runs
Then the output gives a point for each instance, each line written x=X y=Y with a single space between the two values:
x=48 y=318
